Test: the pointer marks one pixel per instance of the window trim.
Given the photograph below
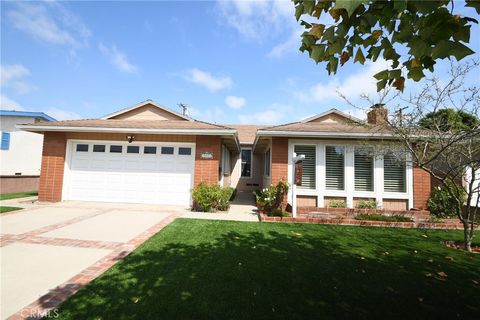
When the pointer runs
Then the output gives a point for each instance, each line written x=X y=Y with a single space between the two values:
x=251 y=163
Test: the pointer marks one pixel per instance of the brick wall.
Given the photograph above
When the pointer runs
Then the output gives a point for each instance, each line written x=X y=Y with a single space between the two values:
x=53 y=164
x=206 y=170
x=421 y=188
x=279 y=159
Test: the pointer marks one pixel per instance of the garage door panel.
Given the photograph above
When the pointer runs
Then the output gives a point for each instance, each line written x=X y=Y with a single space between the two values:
x=139 y=178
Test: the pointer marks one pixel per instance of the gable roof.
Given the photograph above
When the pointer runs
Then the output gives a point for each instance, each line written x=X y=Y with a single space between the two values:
x=329 y=112
x=29 y=114
x=246 y=132
x=142 y=104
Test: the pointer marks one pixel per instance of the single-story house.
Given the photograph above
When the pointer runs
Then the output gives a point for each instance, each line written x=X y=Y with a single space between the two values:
x=148 y=153
x=20 y=151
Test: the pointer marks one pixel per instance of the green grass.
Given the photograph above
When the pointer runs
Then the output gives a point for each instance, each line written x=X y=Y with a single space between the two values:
x=8 y=209
x=8 y=196
x=198 y=269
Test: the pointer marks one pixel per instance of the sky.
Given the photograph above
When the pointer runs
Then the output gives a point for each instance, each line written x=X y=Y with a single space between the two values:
x=230 y=61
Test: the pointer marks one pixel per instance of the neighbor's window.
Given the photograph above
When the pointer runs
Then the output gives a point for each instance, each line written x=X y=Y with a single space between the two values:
x=167 y=150
x=246 y=163
x=133 y=149
x=394 y=172
x=5 y=140
x=98 y=148
x=115 y=149
x=363 y=163
x=149 y=150
x=335 y=167
x=308 y=165
x=82 y=148
x=267 y=164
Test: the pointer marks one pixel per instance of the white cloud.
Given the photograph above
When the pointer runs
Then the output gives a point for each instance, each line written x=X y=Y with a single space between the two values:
x=255 y=20
x=273 y=114
x=11 y=76
x=235 y=102
x=354 y=85
x=357 y=113
x=61 y=114
x=291 y=45
x=207 y=80
x=50 y=22
x=117 y=58
x=8 y=104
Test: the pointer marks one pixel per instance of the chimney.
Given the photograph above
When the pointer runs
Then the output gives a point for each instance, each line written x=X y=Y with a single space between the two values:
x=378 y=114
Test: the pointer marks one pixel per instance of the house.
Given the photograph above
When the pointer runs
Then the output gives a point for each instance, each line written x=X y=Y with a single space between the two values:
x=21 y=151
x=148 y=153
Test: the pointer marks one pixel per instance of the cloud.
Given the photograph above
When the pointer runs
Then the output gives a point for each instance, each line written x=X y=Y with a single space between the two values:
x=291 y=45
x=235 y=102
x=361 y=82
x=256 y=20
x=50 y=22
x=61 y=114
x=273 y=114
x=11 y=76
x=8 y=104
x=117 y=58
x=207 y=80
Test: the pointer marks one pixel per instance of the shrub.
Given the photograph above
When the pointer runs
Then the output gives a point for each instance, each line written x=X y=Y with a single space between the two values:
x=270 y=199
x=381 y=217
x=367 y=204
x=441 y=204
x=210 y=198
x=280 y=213
x=337 y=203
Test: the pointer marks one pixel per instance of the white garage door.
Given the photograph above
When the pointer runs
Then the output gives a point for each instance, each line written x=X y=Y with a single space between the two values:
x=159 y=173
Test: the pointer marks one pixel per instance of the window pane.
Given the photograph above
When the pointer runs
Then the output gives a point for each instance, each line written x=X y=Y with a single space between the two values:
x=150 y=150
x=394 y=170
x=82 y=147
x=5 y=140
x=363 y=169
x=133 y=149
x=185 y=151
x=309 y=165
x=115 y=149
x=267 y=163
x=167 y=150
x=246 y=162
x=98 y=148
x=335 y=167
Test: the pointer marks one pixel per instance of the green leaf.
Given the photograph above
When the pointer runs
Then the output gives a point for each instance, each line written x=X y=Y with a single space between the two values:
x=418 y=47
x=473 y=4
x=416 y=73
x=348 y=5
x=308 y=6
x=317 y=30
x=445 y=49
x=381 y=84
x=382 y=75
x=318 y=52
x=332 y=65
x=299 y=10
x=359 y=56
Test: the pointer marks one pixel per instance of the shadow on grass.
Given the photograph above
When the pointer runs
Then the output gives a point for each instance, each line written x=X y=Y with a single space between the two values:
x=204 y=270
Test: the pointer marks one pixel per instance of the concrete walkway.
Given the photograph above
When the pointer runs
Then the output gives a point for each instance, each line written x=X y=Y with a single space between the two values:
x=242 y=208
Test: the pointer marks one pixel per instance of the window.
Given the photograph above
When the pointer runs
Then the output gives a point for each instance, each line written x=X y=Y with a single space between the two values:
x=5 y=140
x=167 y=150
x=308 y=165
x=394 y=173
x=335 y=167
x=133 y=149
x=98 y=148
x=246 y=163
x=184 y=151
x=363 y=165
x=267 y=164
x=82 y=148
x=149 y=150
x=115 y=149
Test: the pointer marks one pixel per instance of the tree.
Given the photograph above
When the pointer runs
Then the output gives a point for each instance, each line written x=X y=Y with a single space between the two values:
x=447 y=149
x=411 y=34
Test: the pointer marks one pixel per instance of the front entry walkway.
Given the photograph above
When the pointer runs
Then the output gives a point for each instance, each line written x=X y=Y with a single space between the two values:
x=48 y=252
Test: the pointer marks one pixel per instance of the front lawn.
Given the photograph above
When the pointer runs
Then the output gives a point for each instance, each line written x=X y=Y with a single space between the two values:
x=199 y=269
x=8 y=196
x=8 y=209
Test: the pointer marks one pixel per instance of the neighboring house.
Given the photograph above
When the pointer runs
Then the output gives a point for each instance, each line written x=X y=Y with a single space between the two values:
x=150 y=154
x=21 y=151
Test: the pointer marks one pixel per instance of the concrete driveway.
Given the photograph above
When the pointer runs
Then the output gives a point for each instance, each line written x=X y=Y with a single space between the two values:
x=49 y=251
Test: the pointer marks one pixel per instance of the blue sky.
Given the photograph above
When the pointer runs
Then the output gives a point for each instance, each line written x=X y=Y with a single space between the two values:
x=230 y=61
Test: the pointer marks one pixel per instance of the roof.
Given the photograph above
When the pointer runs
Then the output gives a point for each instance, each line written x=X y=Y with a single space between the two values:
x=331 y=111
x=246 y=132
x=26 y=114
x=141 y=104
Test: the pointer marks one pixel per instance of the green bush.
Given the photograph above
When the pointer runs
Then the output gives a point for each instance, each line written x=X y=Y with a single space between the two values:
x=270 y=199
x=211 y=198
x=280 y=213
x=381 y=217
x=367 y=204
x=441 y=204
x=337 y=203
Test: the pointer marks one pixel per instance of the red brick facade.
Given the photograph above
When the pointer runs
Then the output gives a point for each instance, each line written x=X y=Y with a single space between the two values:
x=421 y=188
x=206 y=170
x=279 y=153
x=53 y=164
